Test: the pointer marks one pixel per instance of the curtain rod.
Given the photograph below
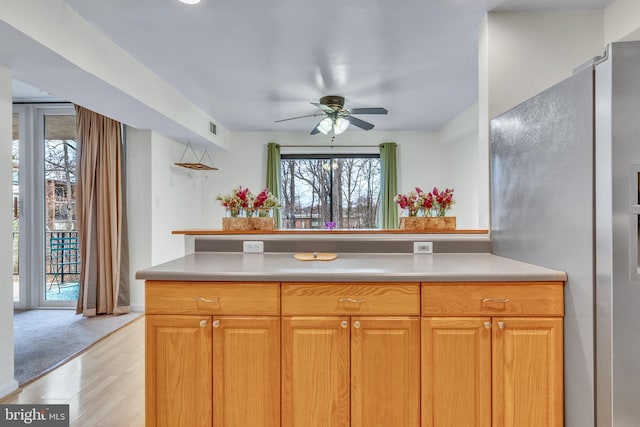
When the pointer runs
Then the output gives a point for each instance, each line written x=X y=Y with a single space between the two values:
x=328 y=146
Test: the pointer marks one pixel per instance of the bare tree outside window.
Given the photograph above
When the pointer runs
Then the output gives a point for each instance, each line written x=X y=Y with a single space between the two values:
x=60 y=179
x=317 y=189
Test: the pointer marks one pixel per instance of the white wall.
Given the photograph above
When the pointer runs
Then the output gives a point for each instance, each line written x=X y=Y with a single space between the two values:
x=530 y=51
x=176 y=197
x=622 y=21
x=162 y=197
x=422 y=161
x=459 y=141
x=8 y=383
x=138 y=209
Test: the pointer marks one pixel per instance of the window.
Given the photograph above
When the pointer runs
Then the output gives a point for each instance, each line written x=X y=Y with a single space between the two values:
x=317 y=189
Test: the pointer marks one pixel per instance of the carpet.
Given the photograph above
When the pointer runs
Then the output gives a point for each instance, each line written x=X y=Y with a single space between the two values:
x=44 y=339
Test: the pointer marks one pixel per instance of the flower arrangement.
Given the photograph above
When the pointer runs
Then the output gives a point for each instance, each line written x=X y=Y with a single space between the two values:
x=242 y=202
x=443 y=200
x=411 y=202
x=264 y=202
x=420 y=203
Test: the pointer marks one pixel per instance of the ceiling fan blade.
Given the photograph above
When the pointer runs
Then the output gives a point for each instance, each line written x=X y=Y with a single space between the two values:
x=315 y=131
x=360 y=123
x=299 y=117
x=323 y=107
x=374 y=110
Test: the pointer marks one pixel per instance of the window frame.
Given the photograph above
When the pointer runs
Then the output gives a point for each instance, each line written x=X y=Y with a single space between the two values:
x=328 y=157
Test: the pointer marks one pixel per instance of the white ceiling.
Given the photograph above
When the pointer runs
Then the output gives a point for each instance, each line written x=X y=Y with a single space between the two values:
x=248 y=63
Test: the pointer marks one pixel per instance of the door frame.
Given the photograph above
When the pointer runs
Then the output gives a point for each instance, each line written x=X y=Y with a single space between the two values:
x=31 y=200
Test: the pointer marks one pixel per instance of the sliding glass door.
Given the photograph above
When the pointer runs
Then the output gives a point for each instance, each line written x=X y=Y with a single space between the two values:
x=47 y=267
x=18 y=292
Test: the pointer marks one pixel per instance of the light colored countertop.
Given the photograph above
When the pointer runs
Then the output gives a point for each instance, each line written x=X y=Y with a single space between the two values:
x=349 y=267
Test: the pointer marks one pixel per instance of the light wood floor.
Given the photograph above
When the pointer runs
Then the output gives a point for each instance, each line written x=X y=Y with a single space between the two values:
x=104 y=386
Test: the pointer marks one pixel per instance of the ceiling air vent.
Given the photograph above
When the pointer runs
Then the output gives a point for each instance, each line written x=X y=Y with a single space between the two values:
x=212 y=128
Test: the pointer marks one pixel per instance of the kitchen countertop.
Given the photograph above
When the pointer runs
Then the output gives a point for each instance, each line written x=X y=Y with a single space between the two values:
x=349 y=267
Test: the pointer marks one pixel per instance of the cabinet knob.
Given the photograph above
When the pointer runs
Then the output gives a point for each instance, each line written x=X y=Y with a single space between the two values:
x=502 y=325
x=216 y=323
x=487 y=325
x=344 y=323
x=356 y=324
x=203 y=323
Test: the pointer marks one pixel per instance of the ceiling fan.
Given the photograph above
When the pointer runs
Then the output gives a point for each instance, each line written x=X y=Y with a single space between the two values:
x=337 y=117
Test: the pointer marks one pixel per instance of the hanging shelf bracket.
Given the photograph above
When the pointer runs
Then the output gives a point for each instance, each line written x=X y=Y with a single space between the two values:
x=198 y=165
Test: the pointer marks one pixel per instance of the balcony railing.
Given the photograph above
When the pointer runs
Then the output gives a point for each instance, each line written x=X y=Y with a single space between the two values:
x=61 y=253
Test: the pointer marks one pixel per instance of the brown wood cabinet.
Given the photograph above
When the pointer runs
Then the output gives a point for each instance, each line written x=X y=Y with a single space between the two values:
x=500 y=371
x=221 y=369
x=385 y=360
x=351 y=371
x=315 y=371
x=178 y=371
x=527 y=372
x=246 y=371
x=358 y=367
x=306 y=354
x=456 y=372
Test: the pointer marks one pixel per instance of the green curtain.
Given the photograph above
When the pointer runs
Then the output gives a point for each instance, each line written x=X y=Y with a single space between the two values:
x=273 y=175
x=388 y=185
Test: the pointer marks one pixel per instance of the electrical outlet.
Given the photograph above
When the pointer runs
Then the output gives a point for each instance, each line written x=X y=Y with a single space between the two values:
x=422 y=247
x=253 y=247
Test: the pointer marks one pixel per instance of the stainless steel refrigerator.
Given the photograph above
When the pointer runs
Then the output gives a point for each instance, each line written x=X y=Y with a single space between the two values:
x=565 y=194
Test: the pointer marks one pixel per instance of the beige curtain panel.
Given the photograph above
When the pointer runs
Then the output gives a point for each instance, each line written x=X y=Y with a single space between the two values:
x=102 y=219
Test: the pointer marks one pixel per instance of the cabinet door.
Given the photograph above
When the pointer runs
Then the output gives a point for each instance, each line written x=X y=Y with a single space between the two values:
x=315 y=372
x=385 y=372
x=178 y=371
x=527 y=372
x=456 y=372
x=246 y=371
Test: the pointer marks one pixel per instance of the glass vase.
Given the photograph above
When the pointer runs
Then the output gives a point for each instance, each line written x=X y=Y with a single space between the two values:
x=232 y=213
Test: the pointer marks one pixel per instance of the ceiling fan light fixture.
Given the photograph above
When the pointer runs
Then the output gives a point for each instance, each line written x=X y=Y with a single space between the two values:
x=340 y=125
x=190 y=1
x=325 y=125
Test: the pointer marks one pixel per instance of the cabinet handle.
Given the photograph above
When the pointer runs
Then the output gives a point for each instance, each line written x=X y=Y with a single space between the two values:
x=502 y=325
x=357 y=301
x=487 y=325
x=344 y=323
x=216 y=323
x=500 y=300
x=203 y=323
x=356 y=324
x=205 y=299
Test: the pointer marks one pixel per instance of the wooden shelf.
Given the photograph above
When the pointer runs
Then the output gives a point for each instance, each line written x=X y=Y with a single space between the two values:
x=322 y=231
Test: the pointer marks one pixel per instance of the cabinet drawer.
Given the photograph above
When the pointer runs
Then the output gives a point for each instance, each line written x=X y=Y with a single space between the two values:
x=212 y=298
x=493 y=298
x=350 y=298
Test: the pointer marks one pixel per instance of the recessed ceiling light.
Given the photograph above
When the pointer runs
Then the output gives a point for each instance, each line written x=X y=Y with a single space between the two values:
x=190 y=1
